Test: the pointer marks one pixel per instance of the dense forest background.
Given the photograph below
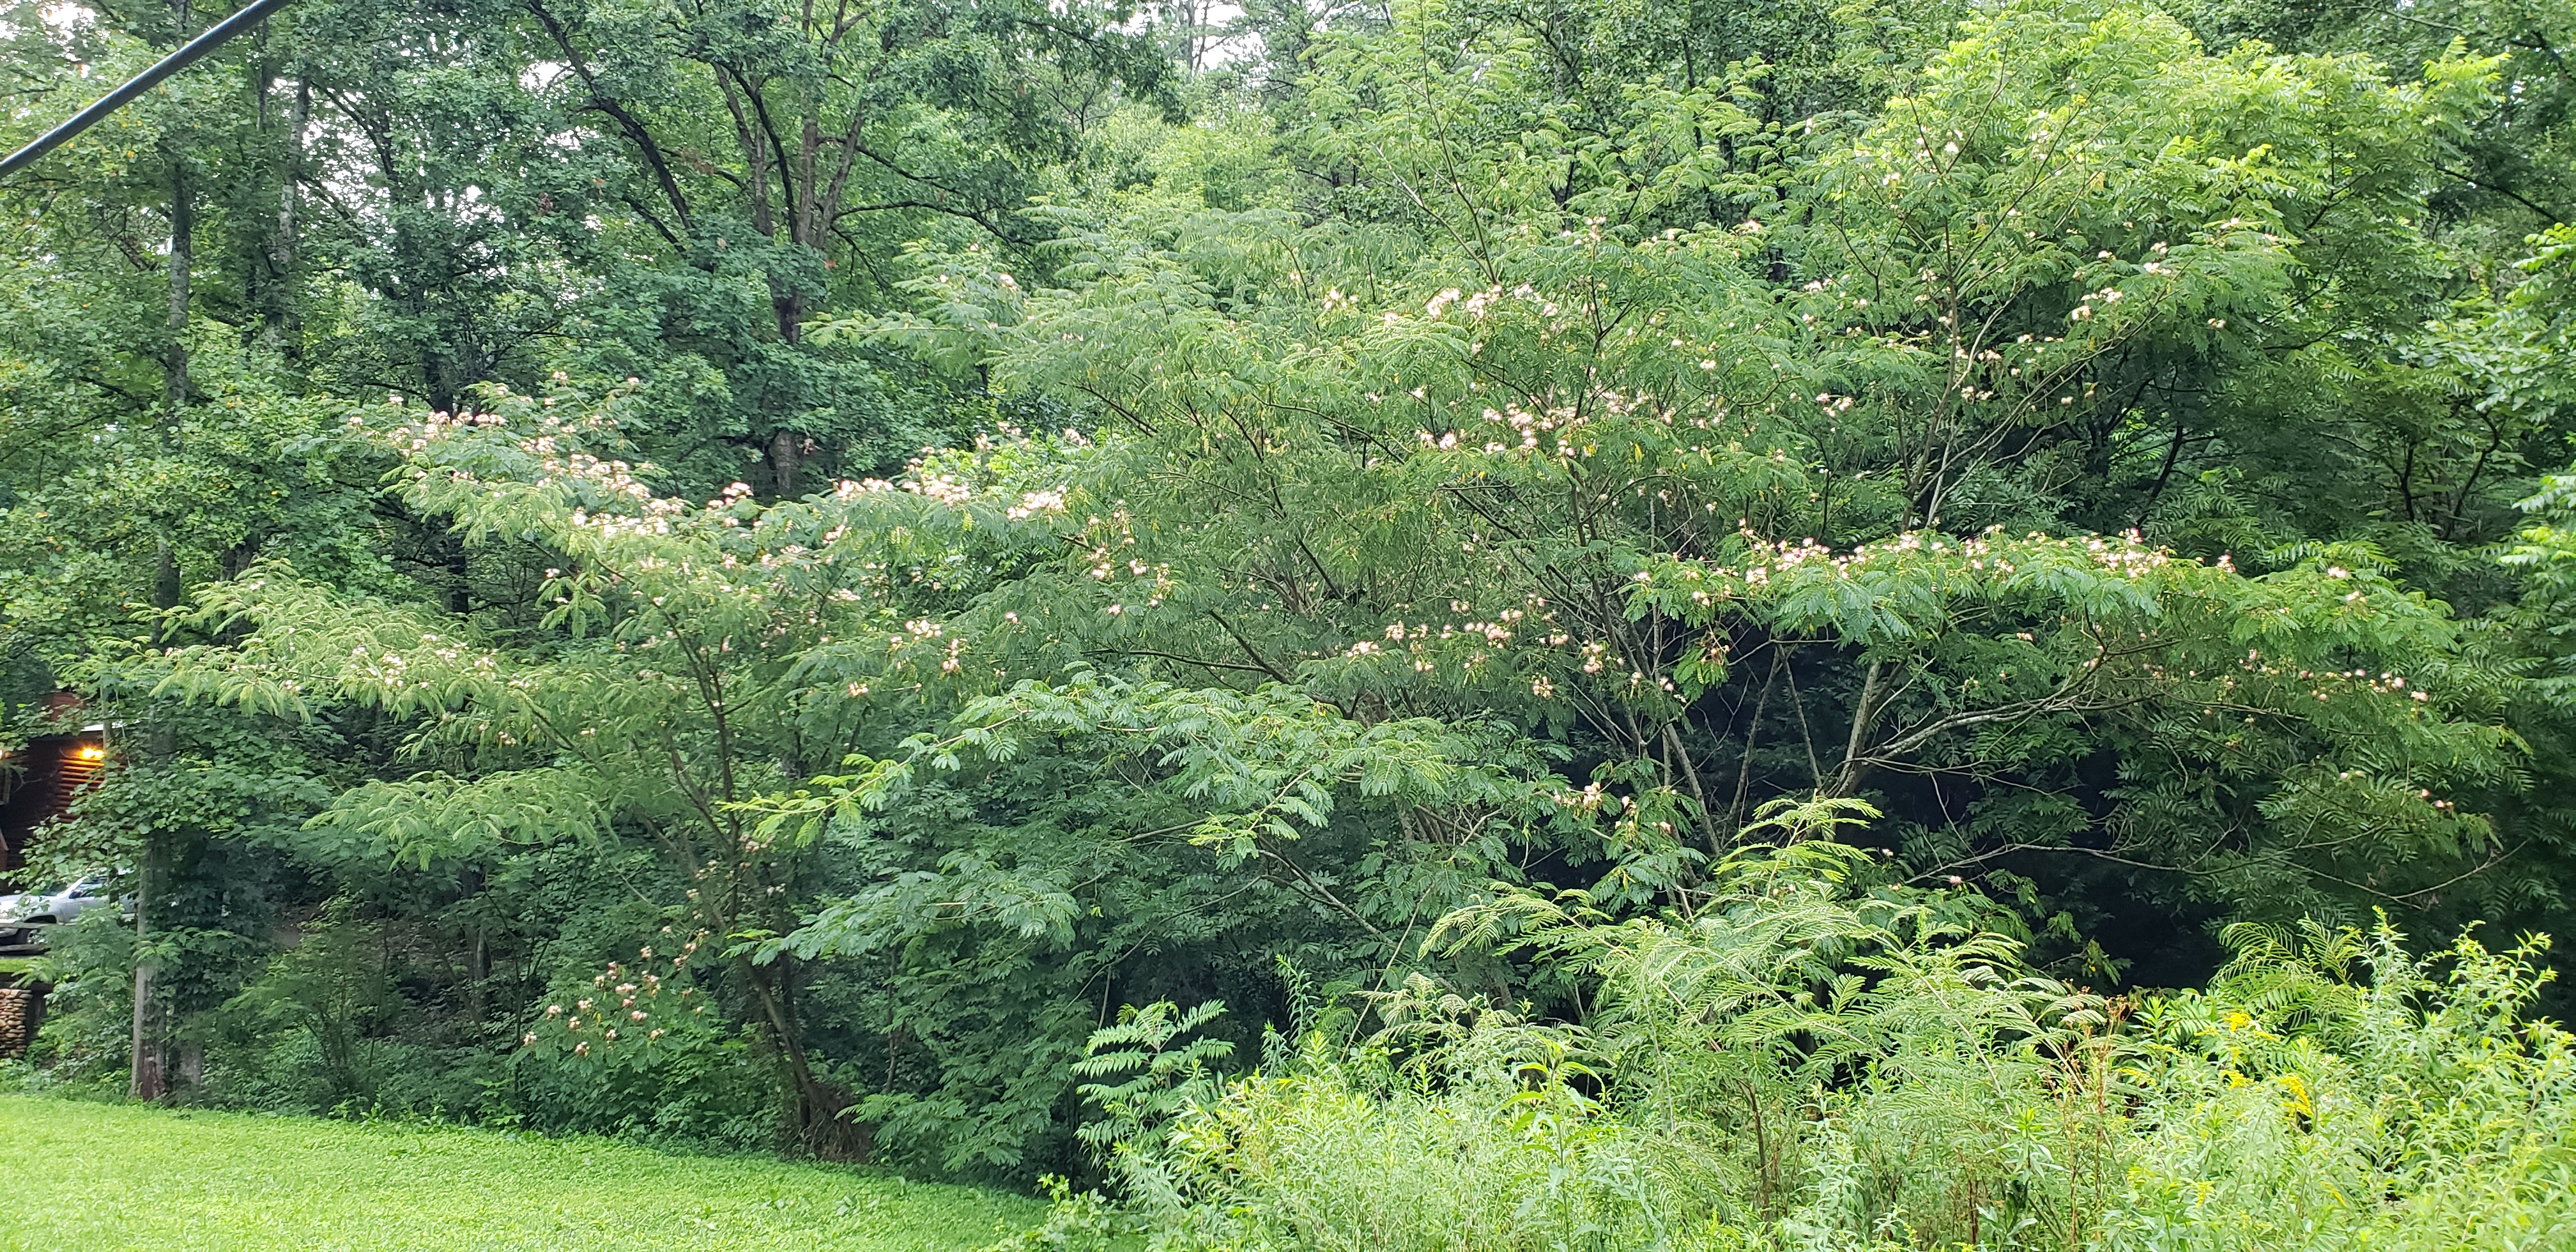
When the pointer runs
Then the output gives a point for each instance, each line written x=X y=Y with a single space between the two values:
x=750 y=573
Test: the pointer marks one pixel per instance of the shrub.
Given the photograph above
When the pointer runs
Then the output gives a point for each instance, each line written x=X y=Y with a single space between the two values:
x=1805 y=1063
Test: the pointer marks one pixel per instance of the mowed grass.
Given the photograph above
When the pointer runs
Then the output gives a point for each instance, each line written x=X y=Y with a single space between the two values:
x=93 y=1176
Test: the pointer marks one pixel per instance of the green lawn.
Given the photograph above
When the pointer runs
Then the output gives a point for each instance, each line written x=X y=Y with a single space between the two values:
x=91 y=1176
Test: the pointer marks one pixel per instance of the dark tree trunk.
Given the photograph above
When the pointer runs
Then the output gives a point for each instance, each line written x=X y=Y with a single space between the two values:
x=478 y=956
x=817 y=1109
x=784 y=460
x=786 y=447
x=183 y=252
x=183 y=257
x=148 y=1047
x=282 y=326
x=146 y=1081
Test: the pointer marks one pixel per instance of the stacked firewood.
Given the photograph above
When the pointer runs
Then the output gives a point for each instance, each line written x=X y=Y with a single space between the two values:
x=21 y=1012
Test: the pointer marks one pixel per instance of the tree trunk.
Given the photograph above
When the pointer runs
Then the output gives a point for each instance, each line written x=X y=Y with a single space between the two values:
x=460 y=571
x=282 y=328
x=816 y=1107
x=183 y=251
x=145 y=1048
x=1847 y=781
x=478 y=957
x=786 y=450
x=183 y=258
x=146 y=1054
x=784 y=460
x=146 y=1081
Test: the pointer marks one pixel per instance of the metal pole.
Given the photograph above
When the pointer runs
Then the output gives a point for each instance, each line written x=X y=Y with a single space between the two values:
x=214 y=37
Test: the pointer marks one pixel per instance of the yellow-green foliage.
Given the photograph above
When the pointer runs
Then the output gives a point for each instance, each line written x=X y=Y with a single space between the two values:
x=1804 y=1064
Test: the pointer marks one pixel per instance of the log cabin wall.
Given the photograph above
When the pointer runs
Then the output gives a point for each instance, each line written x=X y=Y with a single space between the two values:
x=37 y=783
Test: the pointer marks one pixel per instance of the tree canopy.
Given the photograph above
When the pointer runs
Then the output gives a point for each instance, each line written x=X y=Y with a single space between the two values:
x=764 y=568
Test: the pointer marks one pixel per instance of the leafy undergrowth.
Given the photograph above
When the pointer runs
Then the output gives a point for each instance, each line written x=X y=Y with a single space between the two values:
x=1806 y=1064
x=102 y=1176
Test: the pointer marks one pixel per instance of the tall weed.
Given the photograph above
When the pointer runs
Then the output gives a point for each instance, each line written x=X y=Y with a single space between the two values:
x=1802 y=1063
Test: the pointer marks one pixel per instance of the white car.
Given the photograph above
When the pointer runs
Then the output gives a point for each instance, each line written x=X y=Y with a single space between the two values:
x=24 y=916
